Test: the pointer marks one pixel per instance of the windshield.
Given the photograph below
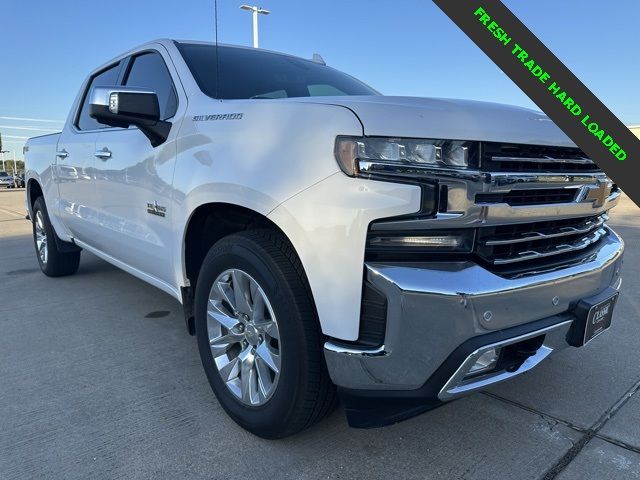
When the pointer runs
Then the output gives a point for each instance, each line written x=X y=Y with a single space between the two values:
x=245 y=73
x=4 y=174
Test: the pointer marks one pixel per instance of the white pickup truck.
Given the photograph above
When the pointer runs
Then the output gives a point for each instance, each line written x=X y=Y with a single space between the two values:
x=324 y=238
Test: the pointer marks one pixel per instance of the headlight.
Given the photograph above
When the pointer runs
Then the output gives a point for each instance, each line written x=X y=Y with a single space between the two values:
x=358 y=155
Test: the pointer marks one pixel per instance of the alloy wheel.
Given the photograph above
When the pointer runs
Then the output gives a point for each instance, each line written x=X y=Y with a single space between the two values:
x=41 y=238
x=243 y=337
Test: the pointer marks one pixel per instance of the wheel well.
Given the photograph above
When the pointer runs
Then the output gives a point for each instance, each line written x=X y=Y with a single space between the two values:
x=208 y=224
x=211 y=222
x=33 y=191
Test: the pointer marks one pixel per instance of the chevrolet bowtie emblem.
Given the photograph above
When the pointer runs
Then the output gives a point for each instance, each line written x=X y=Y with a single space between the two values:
x=597 y=194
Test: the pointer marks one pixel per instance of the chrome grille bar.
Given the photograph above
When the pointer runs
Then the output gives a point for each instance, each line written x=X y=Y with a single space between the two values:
x=586 y=227
x=534 y=158
x=545 y=159
x=525 y=255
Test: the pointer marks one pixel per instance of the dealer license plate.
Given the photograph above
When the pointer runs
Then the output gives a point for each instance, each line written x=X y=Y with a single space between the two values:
x=599 y=318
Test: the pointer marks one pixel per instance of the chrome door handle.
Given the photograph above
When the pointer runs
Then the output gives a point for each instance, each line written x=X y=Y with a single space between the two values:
x=62 y=153
x=103 y=154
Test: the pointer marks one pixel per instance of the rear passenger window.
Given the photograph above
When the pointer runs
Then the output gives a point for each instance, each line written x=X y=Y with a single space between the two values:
x=106 y=78
x=149 y=71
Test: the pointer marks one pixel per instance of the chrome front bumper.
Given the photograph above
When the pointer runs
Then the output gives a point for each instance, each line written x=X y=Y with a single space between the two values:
x=435 y=308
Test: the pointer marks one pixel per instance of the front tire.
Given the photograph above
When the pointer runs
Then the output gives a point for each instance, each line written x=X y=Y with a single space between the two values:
x=259 y=337
x=53 y=262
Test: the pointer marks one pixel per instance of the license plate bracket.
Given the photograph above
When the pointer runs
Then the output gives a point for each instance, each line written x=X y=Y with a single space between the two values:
x=593 y=316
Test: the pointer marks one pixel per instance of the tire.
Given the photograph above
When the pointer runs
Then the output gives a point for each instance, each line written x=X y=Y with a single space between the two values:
x=53 y=262
x=301 y=391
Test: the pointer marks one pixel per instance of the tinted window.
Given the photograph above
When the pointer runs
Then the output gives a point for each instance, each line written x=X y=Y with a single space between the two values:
x=323 y=90
x=247 y=73
x=149 y=71
x=107 y=78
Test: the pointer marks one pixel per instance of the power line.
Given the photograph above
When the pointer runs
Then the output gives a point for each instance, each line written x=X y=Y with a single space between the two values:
x=37 y=129
x=31 y=119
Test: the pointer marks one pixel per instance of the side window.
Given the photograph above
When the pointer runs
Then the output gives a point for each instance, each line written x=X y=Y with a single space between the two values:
x=149 y=71
x=106 y=78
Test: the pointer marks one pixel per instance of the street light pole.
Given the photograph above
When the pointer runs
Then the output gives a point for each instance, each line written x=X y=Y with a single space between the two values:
x=255 y=11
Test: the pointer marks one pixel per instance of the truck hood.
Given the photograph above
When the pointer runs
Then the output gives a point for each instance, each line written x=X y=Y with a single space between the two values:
x=449 y=119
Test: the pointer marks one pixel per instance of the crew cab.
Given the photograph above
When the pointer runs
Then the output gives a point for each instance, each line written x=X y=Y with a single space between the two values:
x=323 y=238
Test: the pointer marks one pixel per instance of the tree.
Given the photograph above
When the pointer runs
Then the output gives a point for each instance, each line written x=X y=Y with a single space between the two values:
x=8 y=166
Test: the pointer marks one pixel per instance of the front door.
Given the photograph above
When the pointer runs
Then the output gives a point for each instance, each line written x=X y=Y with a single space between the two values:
x=134 y=180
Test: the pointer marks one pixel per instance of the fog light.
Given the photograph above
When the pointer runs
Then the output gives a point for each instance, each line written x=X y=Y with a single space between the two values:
x=485 y=362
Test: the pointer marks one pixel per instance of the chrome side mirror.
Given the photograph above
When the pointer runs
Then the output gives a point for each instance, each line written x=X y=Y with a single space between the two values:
x=125 y=106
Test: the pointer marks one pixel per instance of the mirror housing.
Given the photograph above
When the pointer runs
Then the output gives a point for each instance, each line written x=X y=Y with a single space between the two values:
x=125 y=106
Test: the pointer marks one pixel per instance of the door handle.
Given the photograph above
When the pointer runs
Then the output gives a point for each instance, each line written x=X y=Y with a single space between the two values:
x=103 y=154
x=62 y=153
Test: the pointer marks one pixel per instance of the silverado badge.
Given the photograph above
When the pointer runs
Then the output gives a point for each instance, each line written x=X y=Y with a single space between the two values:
x=220 y=116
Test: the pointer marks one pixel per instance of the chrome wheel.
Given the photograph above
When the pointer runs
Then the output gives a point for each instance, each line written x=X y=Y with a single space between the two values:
x=243 y=337
x=41 y=238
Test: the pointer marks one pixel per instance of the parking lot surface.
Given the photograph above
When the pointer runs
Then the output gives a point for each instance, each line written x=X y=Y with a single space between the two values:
x=98 y=379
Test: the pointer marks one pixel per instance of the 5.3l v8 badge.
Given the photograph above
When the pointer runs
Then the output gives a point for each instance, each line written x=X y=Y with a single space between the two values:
x=155 y=209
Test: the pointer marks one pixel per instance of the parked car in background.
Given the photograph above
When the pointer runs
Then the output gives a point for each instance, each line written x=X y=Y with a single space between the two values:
x=18 y=181
x=6 y=180
x=324 y=238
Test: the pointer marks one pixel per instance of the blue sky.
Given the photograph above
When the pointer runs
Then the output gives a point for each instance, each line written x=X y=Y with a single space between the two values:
x=402 y=47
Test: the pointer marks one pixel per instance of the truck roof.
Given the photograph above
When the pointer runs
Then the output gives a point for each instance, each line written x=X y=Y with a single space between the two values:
x=169 y=42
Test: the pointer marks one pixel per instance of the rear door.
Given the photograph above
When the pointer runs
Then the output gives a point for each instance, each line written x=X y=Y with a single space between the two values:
x=75 y=161
x=134 y=179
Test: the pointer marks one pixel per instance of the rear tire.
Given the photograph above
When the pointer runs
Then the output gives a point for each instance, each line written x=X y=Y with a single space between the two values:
x=298 y=392
x=53 y=262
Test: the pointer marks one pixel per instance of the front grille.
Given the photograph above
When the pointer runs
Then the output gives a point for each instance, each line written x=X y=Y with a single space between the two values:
x=557 y=197
x=509 y=244
x=509 y=157
x=537 y=196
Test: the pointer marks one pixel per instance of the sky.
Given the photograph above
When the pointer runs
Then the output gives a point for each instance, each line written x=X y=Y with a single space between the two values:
x=402 y=47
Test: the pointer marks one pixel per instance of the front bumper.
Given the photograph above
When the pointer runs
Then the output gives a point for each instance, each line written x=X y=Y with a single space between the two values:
x=438 y=314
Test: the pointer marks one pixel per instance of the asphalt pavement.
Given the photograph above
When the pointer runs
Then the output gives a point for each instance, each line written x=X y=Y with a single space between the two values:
x=98 y=379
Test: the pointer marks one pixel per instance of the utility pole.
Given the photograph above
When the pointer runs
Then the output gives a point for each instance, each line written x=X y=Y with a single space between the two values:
x=255 y=11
